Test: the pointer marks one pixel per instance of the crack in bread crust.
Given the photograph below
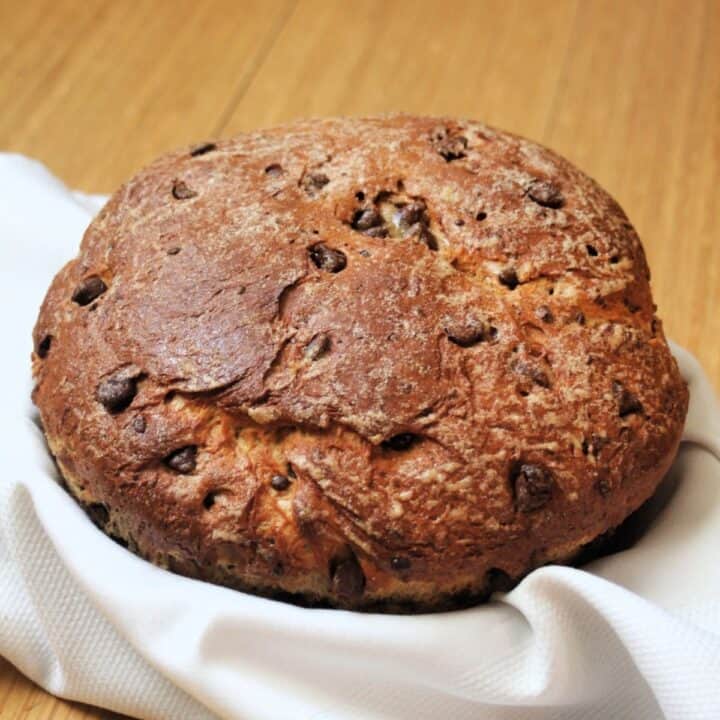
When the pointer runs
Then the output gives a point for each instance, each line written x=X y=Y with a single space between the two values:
x=422 y=350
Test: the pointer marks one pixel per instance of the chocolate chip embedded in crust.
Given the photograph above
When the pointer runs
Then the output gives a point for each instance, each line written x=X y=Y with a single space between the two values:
x=467 y=332
x=545 y=314
x=603 y=486
x=88 y=290
x=400 y=562
x=534 y=372
x=426 y=237
x=180 y=191
x=317 y=347
x=43 y=347
x=202 y=149
x=280 y=482
x=313 y=181
x=409 y=214
x=274 y=170
x=533 y=487
x=497 y=580
x=347 y=578
x=628 y=402
x=377 y=232
x=99 y=514
x=450 y=146
x=546 y=194
x=139 y=425
x=580 y=317
x=116 y=393
x=509 y=278
x=183 y=460
x=366 y=219
x=327 y=258
x=401 y=441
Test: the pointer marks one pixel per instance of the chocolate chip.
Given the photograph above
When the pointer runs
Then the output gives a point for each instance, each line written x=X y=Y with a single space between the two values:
x=327 y=258
x=173 y=250
x=347 y=578
x=88 y=290
x=209 y=500
x=377 y=232
x=533 y=487
x=409 y=214
x=497 y=580
x=274 y=170
x=116 y=393
x=630 y=305
x=534 y=372
x=628 y=402
x=615 y=259
x=183 y=460
x=481 y=216
x=43 y=347
x=467 y=332
x=603 y=486
x=138 y=424
x=546 y=194
x=580 y=317
x=99 y=514
x=426 y=237
x=509 y=278
x=401 y=441
x=202 y=149
x=365 y=219
x=280 y=482
x=318 y=346
x=544 y=313
x=591 y=250
x=313 y=181
x=400 y=563
x=459 y=222
x=451 y=146
x=180 y=191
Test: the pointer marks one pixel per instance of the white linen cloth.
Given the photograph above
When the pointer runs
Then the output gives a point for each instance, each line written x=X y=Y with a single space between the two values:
x=632 y=636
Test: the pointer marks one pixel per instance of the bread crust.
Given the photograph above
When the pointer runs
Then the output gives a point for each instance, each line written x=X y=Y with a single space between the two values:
x=384 y=362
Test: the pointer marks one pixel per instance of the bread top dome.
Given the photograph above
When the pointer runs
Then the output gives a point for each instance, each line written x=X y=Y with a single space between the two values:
x=360 y=361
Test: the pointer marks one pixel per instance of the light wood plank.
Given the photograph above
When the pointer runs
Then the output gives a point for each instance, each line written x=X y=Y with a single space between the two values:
x=464 y=58
x=105 y=87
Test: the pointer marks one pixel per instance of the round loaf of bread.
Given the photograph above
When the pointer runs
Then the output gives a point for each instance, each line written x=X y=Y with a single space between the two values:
x=391 y=363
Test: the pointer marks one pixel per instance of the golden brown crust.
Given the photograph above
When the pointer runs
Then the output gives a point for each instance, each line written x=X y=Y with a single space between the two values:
x=359 y=361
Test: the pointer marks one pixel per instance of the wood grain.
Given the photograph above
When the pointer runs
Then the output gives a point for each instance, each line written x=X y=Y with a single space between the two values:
x=628 y=91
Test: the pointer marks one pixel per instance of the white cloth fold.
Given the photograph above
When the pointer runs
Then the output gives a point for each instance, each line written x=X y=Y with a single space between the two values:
x=633 y=635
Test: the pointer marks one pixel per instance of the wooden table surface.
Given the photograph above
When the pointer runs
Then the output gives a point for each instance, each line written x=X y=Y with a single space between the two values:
x=629 y=91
